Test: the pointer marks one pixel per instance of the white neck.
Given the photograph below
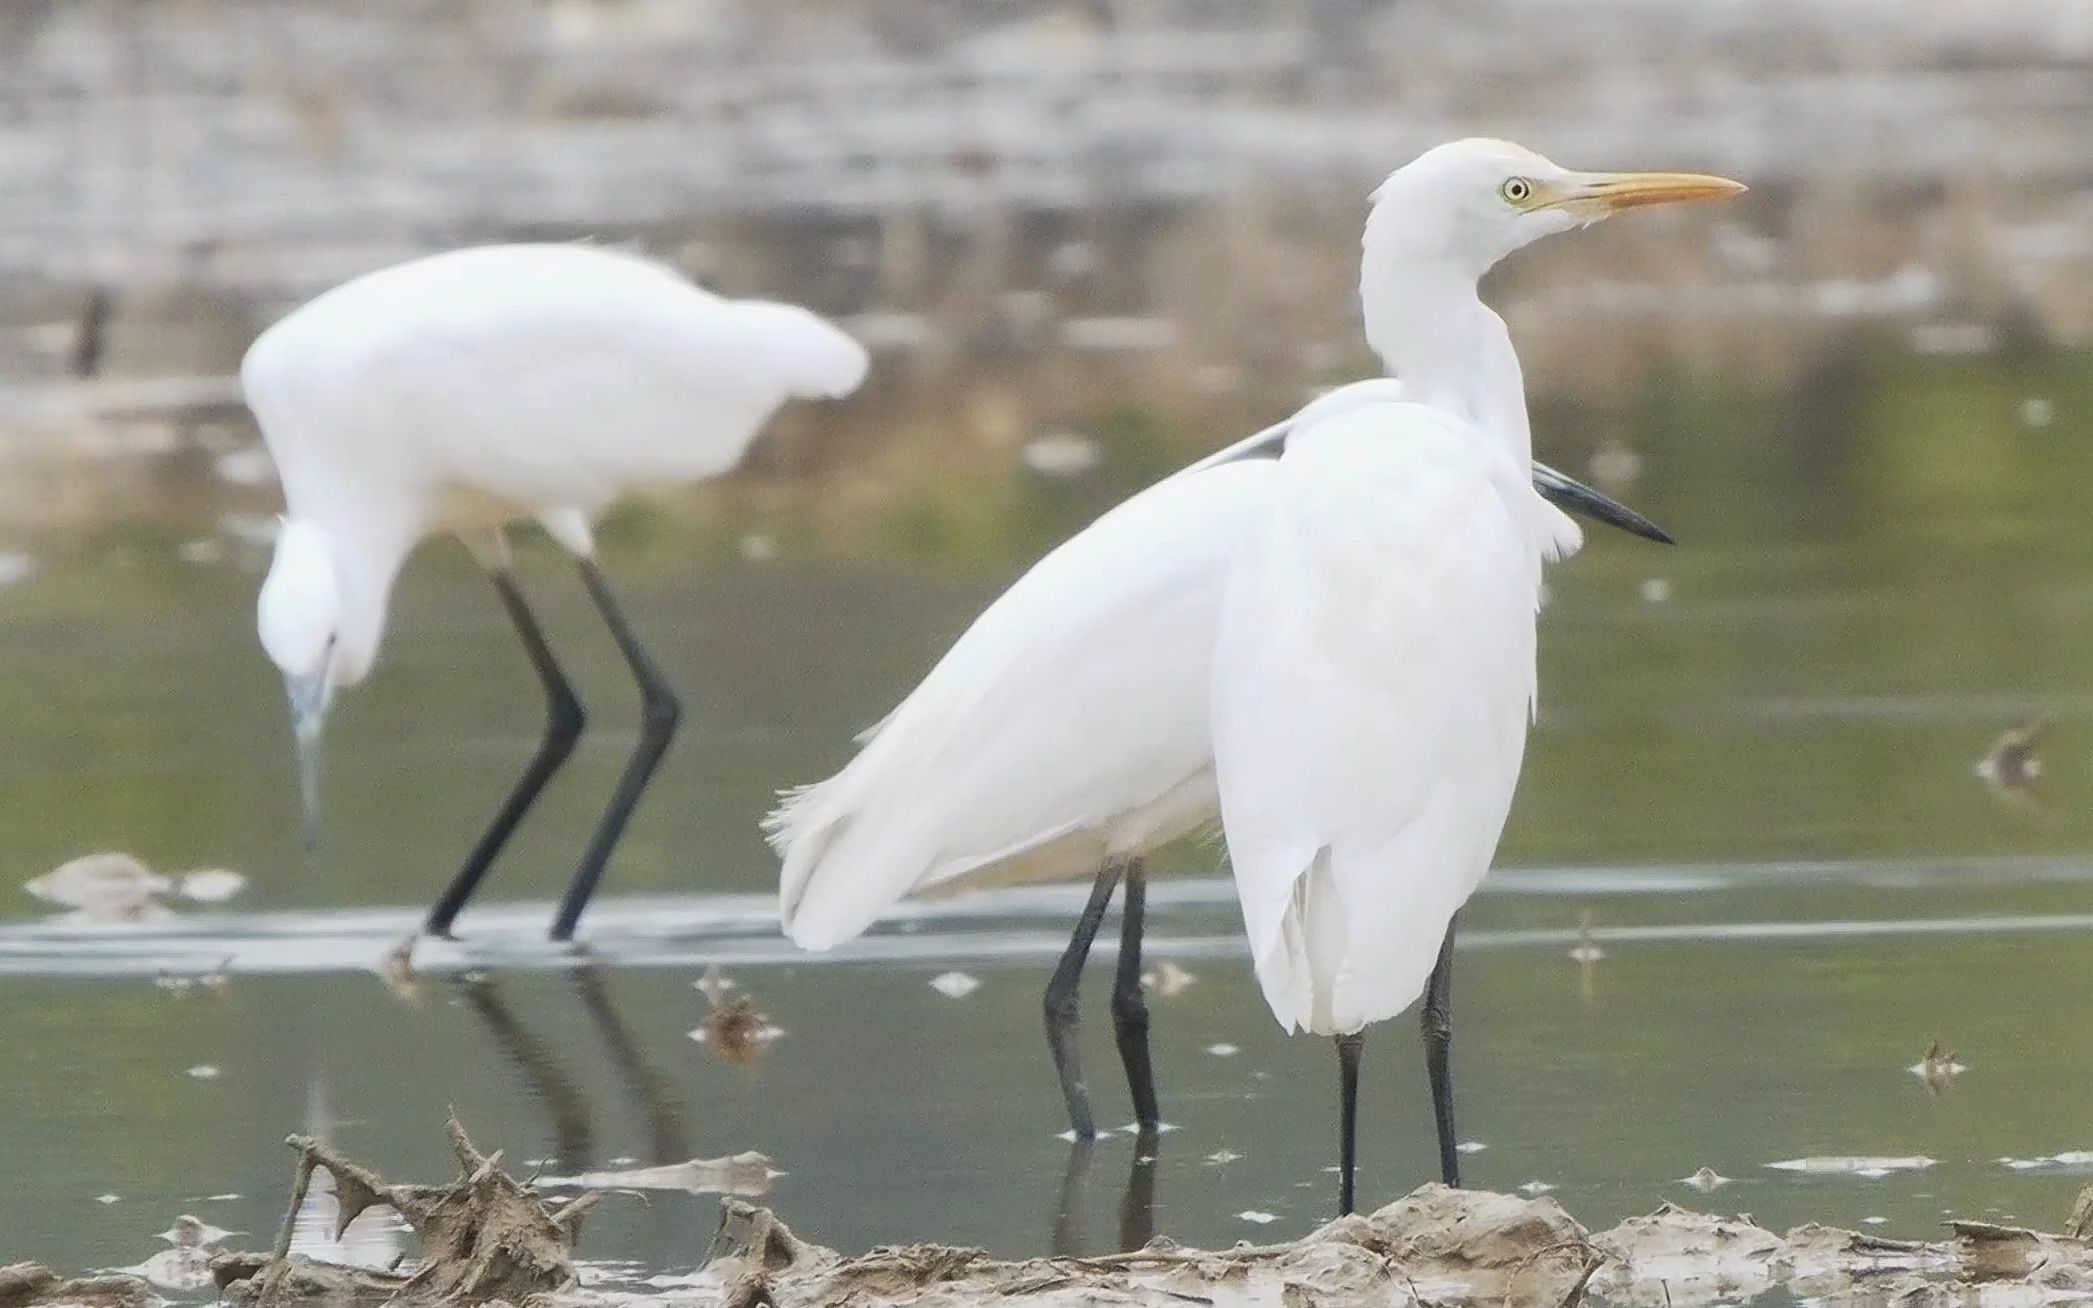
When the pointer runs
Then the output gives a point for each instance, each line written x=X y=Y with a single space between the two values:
x=1432 y=331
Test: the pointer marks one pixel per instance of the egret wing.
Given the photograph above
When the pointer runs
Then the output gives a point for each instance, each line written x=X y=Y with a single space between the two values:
x=1373 y=678
x=1073 y=706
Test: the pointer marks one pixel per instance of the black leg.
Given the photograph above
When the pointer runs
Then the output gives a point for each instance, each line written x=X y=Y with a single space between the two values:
x=1060 y=1003
x=660 y=710
x=1348 y=1047
x=1129 y=1004
x=563 y=724
x=1137 y=1207
x=1437 y=1019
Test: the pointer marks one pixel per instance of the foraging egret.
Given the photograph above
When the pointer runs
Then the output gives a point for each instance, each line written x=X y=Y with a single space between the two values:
x=466 y=391
x=1374 y=666
x=1067 y=730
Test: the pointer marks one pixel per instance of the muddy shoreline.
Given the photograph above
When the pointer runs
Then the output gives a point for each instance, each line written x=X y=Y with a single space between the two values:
x=486 y=1237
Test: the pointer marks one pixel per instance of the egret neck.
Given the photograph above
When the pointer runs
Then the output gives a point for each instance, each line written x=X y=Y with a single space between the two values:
x=1426 y=321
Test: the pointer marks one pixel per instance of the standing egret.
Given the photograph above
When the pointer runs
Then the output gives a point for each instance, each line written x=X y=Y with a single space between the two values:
x=1066 y=731
x=1374 y=668
x=469 y=390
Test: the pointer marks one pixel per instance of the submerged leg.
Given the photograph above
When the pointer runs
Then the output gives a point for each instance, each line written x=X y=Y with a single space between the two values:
x=660 y=710
x=1129 y=1004
x=563 y=724
x=1348 y=1047
x=1437 y=1020
x=1060 y=1003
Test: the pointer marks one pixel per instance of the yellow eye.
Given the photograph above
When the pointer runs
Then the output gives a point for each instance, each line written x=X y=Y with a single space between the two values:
x=1518 y=190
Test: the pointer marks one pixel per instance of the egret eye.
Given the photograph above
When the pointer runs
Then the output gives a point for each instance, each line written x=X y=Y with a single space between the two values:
x=1518 y=190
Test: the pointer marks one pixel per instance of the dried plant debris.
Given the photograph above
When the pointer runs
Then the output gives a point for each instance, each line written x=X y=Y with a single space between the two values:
x=33 y=1285
x=487 y=1238
x=484 y=1237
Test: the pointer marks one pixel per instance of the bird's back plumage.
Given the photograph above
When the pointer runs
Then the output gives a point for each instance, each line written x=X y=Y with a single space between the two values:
x=536 y=376
x=1373 y=679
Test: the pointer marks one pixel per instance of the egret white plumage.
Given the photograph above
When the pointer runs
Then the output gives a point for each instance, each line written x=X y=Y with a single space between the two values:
x=1374 y=669
x=467 y=391
x=1068 y=729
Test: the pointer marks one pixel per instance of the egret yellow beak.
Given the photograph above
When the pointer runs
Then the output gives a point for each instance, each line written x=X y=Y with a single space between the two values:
x=308 y=697
x=1596 y=195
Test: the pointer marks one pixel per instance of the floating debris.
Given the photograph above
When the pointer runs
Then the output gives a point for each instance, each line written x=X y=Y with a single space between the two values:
x=1655 y=590
x=735 y=1029
x=1705 y=1180
x=396 y=970
x=249 y=465
x=1535 y=1187
x=747 y=1173
x=1166 y=979
x=2011 y=768
x=210 y=886
x=1471 y=1147
x=955 y=985
x=738 y=1032
x=2069 y=1158
x=1614 y=466
x=1938 y=1069
x=108 y=1198
x=202 y=552
x=1223 y=1050
x=107 y=887
x=1221 y=1157
x=715 y=985
x=205 y=1072
x=1258 y=1215
x=1062 y=454
x=1853 y=1165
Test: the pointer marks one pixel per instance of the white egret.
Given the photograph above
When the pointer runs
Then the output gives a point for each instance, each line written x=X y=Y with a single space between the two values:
x=466 y=391
x=1374 y=669
x=1067 y=730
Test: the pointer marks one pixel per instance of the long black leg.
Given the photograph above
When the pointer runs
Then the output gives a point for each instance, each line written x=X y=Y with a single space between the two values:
x=1437 y=1020
x=660 y=710
x=1348 y=1047
x=1129 y=1004
x=563 y=724
x=1060 y=1005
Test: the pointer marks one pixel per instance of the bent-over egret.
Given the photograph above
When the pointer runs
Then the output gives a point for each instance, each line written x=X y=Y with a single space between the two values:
x=465 y=391
x=1066 y=731
x=1374 y=669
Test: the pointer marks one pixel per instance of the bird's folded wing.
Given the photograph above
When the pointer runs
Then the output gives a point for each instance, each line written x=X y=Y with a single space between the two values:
x=1078 y=695
x=1374 y=669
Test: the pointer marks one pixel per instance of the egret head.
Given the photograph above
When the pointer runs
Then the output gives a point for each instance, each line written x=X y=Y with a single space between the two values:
x=299 y=617
x=1467 y=204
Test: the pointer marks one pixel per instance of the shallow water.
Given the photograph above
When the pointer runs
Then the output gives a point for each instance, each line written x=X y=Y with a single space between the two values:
x=1755 y=779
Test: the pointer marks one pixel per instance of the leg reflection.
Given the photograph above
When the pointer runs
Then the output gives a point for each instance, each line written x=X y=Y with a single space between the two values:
x=1137 y=1207
x=644 y=1083
x=1068 y=1210
x=573 y=1129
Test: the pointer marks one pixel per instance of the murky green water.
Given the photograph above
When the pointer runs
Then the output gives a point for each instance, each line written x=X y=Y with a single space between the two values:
x=1753 y=772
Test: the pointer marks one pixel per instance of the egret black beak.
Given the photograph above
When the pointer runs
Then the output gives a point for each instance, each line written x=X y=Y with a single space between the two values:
x=1573 y=496
x=309 y=697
